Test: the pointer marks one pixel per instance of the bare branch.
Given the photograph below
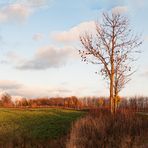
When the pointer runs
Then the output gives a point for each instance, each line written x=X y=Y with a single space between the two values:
x=112 y=46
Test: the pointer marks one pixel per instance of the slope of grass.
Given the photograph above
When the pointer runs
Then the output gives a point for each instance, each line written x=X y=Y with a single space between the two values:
x=35 y=124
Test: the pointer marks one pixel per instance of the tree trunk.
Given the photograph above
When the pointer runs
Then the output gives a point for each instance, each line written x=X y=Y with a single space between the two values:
x=112 y=105
x=112 y=72
x=115 y=97
x=112 y=94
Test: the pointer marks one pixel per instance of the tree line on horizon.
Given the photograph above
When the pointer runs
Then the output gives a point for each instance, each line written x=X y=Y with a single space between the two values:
x=73 y=102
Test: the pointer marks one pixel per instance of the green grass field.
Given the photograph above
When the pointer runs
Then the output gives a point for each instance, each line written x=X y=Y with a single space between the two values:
x=36 y=124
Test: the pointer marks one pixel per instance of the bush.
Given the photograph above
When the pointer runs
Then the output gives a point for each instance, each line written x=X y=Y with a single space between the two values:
x=101 y=129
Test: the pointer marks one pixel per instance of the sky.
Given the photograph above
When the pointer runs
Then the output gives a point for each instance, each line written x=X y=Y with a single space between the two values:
x=39 y=42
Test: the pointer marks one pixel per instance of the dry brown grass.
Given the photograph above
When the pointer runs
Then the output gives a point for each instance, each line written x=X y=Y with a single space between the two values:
x=100 y=129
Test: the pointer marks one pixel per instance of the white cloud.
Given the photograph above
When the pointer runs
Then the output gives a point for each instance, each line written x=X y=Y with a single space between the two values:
x=3 y=16
x=59 y=90
x=17 y=89
x=12 y=57
x=29 y=92
x=74 y=33
x=38 y=36
x=37 y=3
x=146 y=38
x=14 y=12
x=20 y=10
x=48 y=57
x=120 y=9
x=144 y=74
x=9 y=84
x=21 y=91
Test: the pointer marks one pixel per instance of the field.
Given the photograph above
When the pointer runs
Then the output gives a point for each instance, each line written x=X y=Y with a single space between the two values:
x=55 y=128
x=18 y=126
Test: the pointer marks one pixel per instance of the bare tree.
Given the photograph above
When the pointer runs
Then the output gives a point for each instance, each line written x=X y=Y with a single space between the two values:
x=112 y=45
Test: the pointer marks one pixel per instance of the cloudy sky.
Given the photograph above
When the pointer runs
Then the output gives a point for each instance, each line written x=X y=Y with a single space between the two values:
x=39 y=46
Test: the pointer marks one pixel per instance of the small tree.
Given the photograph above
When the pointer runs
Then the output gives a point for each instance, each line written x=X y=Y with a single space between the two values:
x=6 y=100
x=112 y=45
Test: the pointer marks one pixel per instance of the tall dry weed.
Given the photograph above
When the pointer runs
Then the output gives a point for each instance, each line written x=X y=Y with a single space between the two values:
x=100 y=129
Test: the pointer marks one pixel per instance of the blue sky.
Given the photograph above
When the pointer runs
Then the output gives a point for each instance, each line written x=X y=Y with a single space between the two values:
x=38 y=52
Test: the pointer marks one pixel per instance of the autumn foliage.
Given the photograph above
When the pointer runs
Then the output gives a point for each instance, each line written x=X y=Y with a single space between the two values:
x=73 y=102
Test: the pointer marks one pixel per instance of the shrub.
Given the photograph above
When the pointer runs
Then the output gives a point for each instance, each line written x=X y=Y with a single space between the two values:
x=100 y=129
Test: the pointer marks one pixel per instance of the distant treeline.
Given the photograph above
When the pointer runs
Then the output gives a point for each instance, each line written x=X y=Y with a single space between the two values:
x=134 y=103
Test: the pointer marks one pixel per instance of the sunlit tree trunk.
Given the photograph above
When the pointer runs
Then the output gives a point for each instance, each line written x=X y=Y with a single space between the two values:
x=111 y=94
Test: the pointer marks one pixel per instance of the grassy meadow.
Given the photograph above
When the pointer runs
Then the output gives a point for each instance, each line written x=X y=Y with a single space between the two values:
x=19 y=127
